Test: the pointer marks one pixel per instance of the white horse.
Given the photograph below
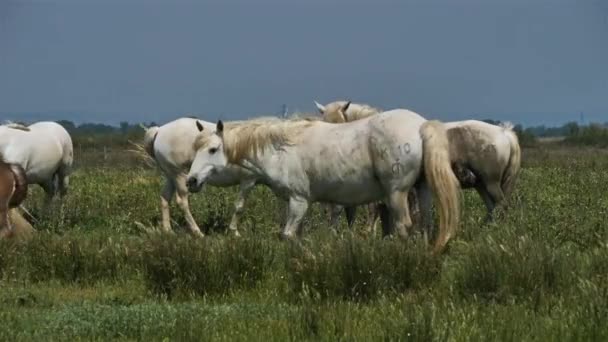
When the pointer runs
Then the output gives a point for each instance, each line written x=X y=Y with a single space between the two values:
x=484 y=156
x=306 y=161
x=44 y=150
x=171 y=146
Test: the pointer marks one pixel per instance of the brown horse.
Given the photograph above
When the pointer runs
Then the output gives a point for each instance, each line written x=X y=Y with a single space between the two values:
x=13 y=190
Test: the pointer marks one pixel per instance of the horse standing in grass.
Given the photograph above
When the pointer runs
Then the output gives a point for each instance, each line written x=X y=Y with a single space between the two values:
x=13 y=190
x=171 y=146
x=306 y=161
x=44 y=150
x=484 y=157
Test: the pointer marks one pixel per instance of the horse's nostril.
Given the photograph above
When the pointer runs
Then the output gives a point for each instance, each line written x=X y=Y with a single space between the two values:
x=191 y=181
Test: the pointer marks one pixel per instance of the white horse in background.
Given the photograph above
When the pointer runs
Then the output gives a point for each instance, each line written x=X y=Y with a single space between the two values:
x=306 y=161
x=485 y=157
x=44 y=150
x=171 y=146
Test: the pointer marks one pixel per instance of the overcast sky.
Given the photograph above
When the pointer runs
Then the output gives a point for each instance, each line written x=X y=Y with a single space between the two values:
x=529 y=61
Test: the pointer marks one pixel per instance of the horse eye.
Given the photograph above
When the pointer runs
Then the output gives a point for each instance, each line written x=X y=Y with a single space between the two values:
x=212 y=150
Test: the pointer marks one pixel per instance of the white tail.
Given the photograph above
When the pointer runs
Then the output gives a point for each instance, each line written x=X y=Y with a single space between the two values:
x=441 y=179
x=149 y=138
x=513 y=167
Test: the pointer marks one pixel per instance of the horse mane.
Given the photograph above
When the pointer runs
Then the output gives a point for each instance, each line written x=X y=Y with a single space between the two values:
x=15 y=125
x=355 y=111
x=358 y=111
x=246 y=138
x=507 y=125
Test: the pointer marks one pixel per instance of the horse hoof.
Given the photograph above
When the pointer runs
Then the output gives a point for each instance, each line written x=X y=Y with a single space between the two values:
x=286 y=236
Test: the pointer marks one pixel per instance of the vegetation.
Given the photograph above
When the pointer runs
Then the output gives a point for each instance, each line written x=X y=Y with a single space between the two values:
x=96 y=271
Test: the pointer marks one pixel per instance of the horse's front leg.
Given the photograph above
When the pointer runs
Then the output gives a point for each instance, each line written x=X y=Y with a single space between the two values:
x=182 y=201
x=298 y=207
x=239 y=205
x=165 y=200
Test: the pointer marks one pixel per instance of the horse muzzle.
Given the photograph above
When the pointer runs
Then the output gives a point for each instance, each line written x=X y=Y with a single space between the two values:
x=193 y=184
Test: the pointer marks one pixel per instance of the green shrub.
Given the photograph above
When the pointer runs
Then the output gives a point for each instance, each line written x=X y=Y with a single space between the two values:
x=358 y=269
x=192 y=266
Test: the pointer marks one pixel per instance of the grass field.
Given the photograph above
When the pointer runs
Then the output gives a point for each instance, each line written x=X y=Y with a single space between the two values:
x=540 y=272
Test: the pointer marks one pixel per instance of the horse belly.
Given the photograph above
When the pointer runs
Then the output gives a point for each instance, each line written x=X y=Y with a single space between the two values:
x=352 y=188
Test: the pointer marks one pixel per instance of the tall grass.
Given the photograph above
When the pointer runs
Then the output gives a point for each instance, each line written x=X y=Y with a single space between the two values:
x=540 y=272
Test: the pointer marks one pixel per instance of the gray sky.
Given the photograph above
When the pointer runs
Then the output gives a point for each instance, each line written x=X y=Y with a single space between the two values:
x=529 y=61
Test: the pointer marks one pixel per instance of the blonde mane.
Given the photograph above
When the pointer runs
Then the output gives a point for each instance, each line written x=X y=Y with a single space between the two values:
x=355 y=111
x=247 y=138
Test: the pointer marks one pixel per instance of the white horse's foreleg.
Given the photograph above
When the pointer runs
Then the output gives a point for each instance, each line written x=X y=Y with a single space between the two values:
x=239 y=205
x=297 y=210
x=400 y=213
x=165 y=199
x=182 y=201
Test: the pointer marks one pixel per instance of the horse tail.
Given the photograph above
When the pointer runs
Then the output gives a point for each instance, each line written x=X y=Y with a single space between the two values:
x=149 y=138
x=19 y=185
x=441 y=178
x=514 y=165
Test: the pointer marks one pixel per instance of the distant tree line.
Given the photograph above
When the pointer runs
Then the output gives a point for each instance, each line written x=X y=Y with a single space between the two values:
x=93 y=134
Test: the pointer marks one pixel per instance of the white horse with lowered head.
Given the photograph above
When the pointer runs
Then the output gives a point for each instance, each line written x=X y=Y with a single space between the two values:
x=44 y=150
x=306 y=161
x=485 y=157
x=172 y=148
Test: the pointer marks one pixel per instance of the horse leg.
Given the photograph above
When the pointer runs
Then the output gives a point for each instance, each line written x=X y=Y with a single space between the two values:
x=495 y=192
x=425 y=206
x=165 y=200
x=400 y=213
x=50 y=191
x=334 y=215
x=297 y=210
x=385 y=219
x=239 y=205
x=182 y=201
x=372 y=217
x=351 y=213
x=63 y=181
x=488 y=201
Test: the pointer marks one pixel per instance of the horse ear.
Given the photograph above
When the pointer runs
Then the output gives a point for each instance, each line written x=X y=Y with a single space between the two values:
x=345 y=107
x=320 y=107
x=220 y=127
x=199 y=126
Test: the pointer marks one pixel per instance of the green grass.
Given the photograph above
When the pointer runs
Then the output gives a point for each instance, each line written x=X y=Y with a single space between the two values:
x=539 y=273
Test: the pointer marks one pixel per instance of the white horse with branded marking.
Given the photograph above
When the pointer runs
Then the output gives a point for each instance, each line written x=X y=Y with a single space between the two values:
x=306 y=161
x=44 y=150
x=485 y=157
x=171 y=146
